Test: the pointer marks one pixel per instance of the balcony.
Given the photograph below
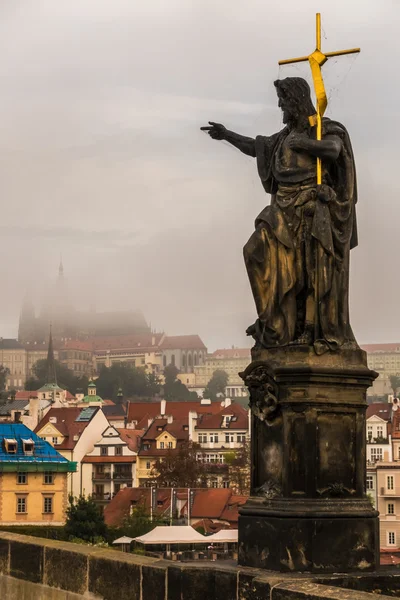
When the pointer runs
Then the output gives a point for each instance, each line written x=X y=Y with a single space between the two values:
x=101 y=476
x=122 y=475
x=106 y=497
x=394 y=492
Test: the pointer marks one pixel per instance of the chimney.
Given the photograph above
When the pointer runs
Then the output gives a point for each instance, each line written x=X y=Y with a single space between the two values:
x=163 y=407
x=227 y=402
x=153 y=341
x=170 y=419
x=34 y=410
x=192 y=423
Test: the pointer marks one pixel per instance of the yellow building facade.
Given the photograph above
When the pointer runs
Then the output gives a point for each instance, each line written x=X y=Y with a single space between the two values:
x=33 y=478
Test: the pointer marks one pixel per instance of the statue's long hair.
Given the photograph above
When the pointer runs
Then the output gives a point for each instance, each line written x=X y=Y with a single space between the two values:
x=297 y=91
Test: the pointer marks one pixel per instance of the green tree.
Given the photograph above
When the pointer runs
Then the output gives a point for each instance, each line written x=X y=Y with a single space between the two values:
x=133 y=381
x=3 y=376
x=180 y=467
x=139 y=522
x=216 y=385
x=65 y=378
x=394 y=383
x=84 y=520
x=174 y=389
x=239 y=468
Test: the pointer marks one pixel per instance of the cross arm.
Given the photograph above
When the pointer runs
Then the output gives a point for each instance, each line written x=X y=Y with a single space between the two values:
x=289 y=61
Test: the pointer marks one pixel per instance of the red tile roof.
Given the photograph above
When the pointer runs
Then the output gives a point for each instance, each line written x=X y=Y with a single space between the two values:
x=231 y=512
x=131 y=437
x=142 y=342
x=26 y=394
x=215 y=421
x=66 y=424
x=380 y=409
x=210 y=503
x=120 y=505
x=77 y=345
x=371 y=348
x=209 y=526
x=182 y=342
x=138 y=411
x=232 y=353
x=390 y=557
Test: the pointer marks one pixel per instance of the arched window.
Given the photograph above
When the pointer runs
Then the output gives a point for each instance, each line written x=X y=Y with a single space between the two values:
x=195 y=358
x=189 y=360
x=183 y=360
x=164 y=360
x=173 y=359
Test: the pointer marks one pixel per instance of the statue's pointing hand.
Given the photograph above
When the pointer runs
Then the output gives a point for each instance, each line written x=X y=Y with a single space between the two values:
x=216 y=131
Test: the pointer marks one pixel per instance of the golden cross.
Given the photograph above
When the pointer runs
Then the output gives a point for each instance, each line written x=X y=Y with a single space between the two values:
x=316 y=60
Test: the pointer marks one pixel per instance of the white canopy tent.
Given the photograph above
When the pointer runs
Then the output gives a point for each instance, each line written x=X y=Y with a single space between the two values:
x=123 y=540
x=225 y=536
x=176 y=534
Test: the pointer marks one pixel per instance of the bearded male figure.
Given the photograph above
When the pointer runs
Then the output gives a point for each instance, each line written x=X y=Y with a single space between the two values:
x=297 y=258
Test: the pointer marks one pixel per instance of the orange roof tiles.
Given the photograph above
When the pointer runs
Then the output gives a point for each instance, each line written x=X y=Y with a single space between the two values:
x=142 y=342
x=138 y=411
x=215 y=421
x=210 y=503
x=131 y=437
x=380 y=409
x=182 y=342
x=66 y=424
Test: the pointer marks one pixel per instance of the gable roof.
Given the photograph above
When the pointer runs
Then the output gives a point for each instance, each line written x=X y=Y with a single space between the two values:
x=210 y=503
x=68 y=423
x=380 y=409
x=182 y=342
x=43 y=452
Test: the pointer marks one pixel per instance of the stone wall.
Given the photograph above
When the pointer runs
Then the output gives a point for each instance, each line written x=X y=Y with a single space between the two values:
x=51 y=570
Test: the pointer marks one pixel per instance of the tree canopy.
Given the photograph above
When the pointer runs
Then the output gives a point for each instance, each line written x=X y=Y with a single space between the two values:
x=394 y=383
x=65 y=378
x=133 y=381
x=180 y=467
x=174 y=389
x=239 y=468
x=84 y=520
x=216 y=385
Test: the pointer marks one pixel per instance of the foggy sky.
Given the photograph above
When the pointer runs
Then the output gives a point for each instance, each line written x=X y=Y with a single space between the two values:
x=102 y=160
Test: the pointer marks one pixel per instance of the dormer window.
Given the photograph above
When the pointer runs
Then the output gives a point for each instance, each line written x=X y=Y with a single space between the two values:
x=159 y=428
x=28 y=447
x=186 y=428
x=10 y=445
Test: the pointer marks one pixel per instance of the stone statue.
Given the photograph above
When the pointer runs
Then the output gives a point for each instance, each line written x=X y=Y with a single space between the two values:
x=298 y=256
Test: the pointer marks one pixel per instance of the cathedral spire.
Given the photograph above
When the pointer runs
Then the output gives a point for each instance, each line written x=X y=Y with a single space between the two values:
x=51 y=363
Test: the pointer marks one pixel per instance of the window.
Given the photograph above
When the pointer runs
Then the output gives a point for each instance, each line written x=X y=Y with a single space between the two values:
x=48 y=477
x=118 y=450
x=241 y=437
x=229 y=437
x=48 y=505
x=214 y=437
x=170 y=445
x=391 y=538
x=54 y=441
x=370 y=482
x=376 y=454
x=164 y=360
x=379 y=431
x=202 y=438
x=21 y=504
x=148 y=465
x=390 y=508
x=173 y=359
x=214 y=483
x=390 y=482
x=225 y=484
x=22 y=478
x=162 y=445
x=104 y=450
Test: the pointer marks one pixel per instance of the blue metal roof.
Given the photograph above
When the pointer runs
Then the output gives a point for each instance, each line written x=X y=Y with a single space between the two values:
x=43 y=451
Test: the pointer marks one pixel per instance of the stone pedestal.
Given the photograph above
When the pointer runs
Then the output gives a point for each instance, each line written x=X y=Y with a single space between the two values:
x=308 y=510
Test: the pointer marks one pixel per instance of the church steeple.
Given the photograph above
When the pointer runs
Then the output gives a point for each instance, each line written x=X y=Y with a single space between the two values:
x=51 y=363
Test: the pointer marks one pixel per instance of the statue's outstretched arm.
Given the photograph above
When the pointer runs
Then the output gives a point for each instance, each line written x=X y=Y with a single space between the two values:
x=219 y=132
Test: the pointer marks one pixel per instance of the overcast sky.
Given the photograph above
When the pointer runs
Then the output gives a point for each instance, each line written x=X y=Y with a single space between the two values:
x=102 y=160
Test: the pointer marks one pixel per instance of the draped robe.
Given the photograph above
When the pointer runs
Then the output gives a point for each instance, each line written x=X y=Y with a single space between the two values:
x=301 y=244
